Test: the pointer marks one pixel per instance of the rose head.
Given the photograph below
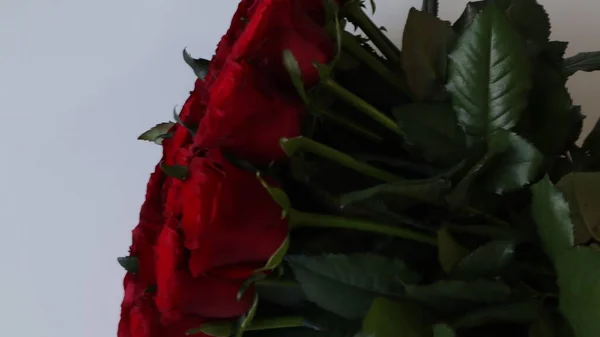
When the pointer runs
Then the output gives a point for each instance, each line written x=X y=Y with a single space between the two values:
x=247 y=115
x=277 y=25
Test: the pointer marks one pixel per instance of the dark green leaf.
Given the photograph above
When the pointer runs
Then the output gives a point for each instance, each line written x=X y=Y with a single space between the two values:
x=430 y=7
x=487 y=261
x=249 y=282
x=277 y=258
x=279 y=291
x=466 y=18
x=551 y=214
x=586 y=61
x=278 y=195
x=433 y=131
x=157 y=133
x=389 y=318
x=530 y=19
x=489 y=75
x=191 y=130
x=549 y=121
x=449 y=251
x=522 y=312
x=517 y=165
x=579 y=297
x=216 y=329
x=554 y=53
x=582 y=191
x=347 y=284
x=246 y=320
x=293 y=69
x=425 y=44
x=401 y=192
x=460 y=194
x=129 y=263
x=175 y=171
x=452 y=296
x=443 y=330
x=199 y=66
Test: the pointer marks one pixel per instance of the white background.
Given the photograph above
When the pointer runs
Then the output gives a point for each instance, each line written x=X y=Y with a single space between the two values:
x=79 y=81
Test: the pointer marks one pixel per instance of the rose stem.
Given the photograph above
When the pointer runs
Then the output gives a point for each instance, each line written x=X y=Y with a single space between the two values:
x=350 y=125
x=362 y=105
x=277 y=323
x=291 y=145
x=301 y=219
x=356 y=15
x=354 y=48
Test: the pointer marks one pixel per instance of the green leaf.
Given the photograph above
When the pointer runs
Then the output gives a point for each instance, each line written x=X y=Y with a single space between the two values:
x=443 y=330
x=468 y=15
x=528 y=17
x=549 y=121
x=579 y=283
x=175 y=171
x=178 y=120
x=452 y=295
x=489 y=75
x=247 y=319
x=400 y=193
x=388 y=318
x=157 y=133
x=291 y=65
x=449 y=251
x=551 y=214
x=517 y=165
x=199 y=66
x=487 y=261
x=216 y=329
x=425 y=45
x=460 y=194
x=433 y=131
x=430 y=7
x=586 y=61
x=282 y=292
x=582 y=191
x=129 y=263
x=257 y=276
x=277 y=258
x=347 y=284
x=521 y=312
x=278 y=195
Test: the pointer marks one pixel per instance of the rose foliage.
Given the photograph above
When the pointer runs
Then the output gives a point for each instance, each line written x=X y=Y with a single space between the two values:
x=318 y=182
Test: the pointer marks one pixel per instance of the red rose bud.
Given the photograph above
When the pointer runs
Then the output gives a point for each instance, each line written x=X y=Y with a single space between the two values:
x=143 y=320
x=238 y=24
x=285 y=25
x=179 y=294
x=228 y=218
x=248 y=116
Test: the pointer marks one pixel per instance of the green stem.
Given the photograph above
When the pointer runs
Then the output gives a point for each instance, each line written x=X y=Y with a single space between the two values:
x=356 y=15
x=300 y=219
x=276 y=323
x=362 y=105
x=349 y=124
x=355 y=49
x=291 y=146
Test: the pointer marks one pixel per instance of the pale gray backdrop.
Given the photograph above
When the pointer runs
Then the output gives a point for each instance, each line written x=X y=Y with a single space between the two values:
x=79 y=80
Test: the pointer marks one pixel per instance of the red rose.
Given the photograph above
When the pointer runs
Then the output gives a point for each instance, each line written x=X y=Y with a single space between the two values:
x=180 y=294
x=140 y=317
x=228 y=217
x=247 y=115
x=277 y=25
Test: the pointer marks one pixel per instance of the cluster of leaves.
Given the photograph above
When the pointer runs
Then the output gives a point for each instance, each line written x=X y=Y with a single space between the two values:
x=438 y=190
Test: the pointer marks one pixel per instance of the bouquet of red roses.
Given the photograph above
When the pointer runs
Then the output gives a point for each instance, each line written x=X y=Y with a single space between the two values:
x=320 y=182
